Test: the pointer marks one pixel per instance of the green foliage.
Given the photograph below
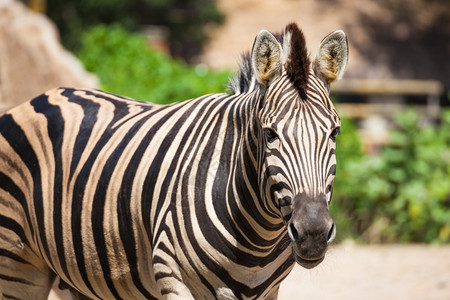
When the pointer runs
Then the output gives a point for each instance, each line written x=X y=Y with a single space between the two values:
x=348 y=152
x=186 y=20
x=126 y=66
x=402 y=194
x=73 y=17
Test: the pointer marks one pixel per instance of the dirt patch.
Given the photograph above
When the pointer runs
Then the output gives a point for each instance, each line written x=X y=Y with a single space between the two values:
x=413 y=272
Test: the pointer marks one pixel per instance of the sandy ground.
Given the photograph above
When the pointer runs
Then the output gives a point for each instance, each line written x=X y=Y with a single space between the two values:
x=413 y=272
x=355 y=272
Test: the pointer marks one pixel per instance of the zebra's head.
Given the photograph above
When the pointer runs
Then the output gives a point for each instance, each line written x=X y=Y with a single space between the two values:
x=297 y=128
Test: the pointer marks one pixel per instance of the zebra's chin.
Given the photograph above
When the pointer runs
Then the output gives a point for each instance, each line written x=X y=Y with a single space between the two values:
x=306 y=263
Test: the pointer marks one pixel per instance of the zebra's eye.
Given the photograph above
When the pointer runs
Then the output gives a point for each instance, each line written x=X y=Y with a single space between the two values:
x=270 y=135
x=334 y=133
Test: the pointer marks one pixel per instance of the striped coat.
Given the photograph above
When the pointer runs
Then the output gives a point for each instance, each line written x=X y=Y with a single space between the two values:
x=214 y=197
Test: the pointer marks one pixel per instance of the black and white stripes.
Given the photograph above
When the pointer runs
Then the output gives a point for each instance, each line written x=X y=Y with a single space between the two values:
x=128 y=200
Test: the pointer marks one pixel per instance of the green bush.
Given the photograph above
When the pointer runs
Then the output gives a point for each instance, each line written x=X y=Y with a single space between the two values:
x=126 y=66
x=186 y=20
x=348 y=151
x=402 y=194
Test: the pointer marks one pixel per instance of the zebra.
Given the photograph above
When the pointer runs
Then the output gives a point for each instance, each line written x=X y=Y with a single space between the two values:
x=214 y=197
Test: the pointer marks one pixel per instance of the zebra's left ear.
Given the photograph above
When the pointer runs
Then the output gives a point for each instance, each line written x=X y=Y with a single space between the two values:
x=331 y=58
x=266 y=57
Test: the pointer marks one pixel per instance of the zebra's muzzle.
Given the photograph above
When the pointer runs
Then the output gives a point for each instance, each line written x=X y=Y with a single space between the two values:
x=311 y=230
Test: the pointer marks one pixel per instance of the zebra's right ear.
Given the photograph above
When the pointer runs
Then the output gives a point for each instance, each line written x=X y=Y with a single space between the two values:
x=266 y=58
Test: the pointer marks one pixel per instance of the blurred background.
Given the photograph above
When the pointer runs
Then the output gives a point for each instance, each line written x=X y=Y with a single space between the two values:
x=393 y=177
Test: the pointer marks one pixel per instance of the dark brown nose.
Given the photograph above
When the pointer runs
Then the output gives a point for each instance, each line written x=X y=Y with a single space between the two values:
x=311 y=230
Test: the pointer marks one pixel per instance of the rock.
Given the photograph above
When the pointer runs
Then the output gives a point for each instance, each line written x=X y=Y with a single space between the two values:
x=32 y=60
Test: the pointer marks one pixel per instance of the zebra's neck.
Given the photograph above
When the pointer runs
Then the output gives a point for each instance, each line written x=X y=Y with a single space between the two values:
x=253 y=219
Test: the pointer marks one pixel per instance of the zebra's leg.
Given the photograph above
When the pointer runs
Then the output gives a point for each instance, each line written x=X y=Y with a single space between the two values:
x=168 y=277
x=59 y=293
x=23 y=273
x=171 y=287
x=273 y=294
x=74 y=294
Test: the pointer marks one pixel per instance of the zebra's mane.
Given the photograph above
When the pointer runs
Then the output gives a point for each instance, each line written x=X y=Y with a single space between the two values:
x=296 y=63
x=245 y=80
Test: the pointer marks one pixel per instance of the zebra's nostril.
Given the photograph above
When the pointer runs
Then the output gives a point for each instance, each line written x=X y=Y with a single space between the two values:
x=293 y=232
x=331 y=233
